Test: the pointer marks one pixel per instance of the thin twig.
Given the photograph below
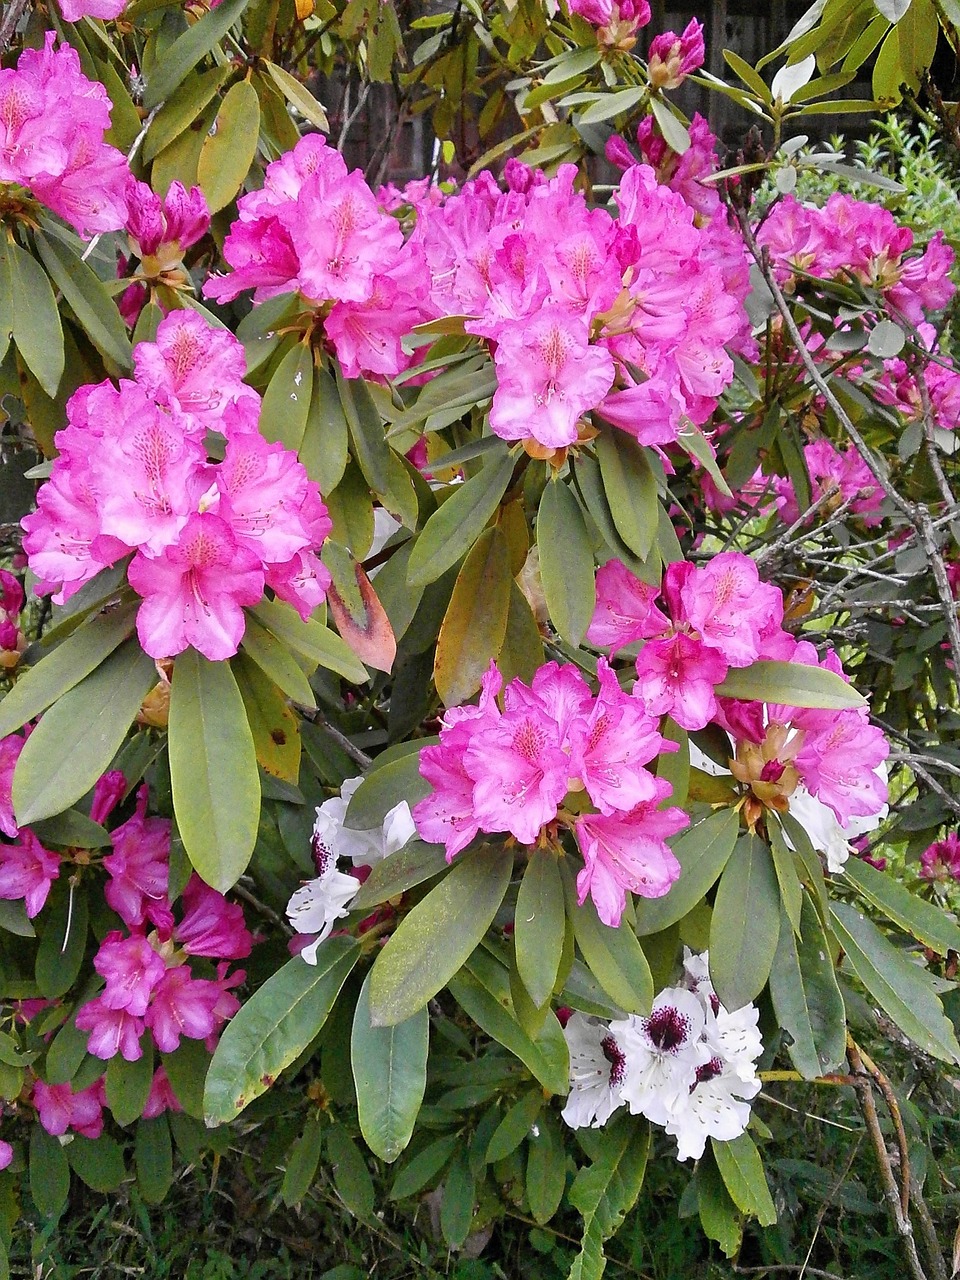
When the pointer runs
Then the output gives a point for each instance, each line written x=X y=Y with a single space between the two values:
x=131 y=156
x=353 y=751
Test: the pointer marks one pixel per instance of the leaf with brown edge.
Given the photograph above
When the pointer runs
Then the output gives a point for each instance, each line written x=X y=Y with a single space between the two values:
x=360 y=617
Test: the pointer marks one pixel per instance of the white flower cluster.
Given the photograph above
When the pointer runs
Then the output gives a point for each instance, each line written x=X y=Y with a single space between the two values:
x=690 y=1066
x=318 y=903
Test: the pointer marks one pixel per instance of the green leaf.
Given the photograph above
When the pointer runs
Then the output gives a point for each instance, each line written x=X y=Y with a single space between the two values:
x=63 y=939
x=482 y=989
x=439 y=934
x=901 y=988
x=97 y=1161
x=324 y=448
x=230 y=147
x=610 y=105
x=370 y=448
x=390 y=1074
x=718 y=1214
x=924 y=921
x=457 y=523
x=38 y=687
x=153 y=1156
x=7 y=302
x=742 y=1171
x=539 y=925
x=703 y=852
x=274 y=1027
x=128 y=1086
x=785 y=865
x=806 y=998
x=631 y=489
x=456 y=1205
x=213 y=769
x=180 y=112
x=302 y=1160
x=67 y=1050
x=14 y=919
x=566 y=562
x=300 y=98
x=475 y=623
x=613 y=956
x=546 y=1169
x=675 y=134
x=351 y=1176
x=424 y=1166
x=49 y=1173
x=388 y=782
x=792 y=684
x=745 y=925
x=275 y=660
x=402 y=870
x=37 y=330
x=72 y=828
x=515 y=1126
x=92 y=305
x=310 y=639
x=286 y=401
x=276 y=736
x=605 y=1191
x=80 y=734
x=187 y=50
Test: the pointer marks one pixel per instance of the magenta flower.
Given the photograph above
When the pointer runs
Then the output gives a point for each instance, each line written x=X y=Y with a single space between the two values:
x=138 y=868
x=839 y=765
x=628 y=851
x=677 y=676
x=162 y=229
x=132 y=968
x=182 y=1005
x=672 y=58
x=10 y=748
x=107 y=794
x=263 y=492
x=611 y=746
x=60 y=1109
x=161 y=1097
x=112 y=1031
x=625 y=611
x=520 y=774
x=27 y=871
x=446 y=815
x=193 y=593
x=194 y=368
x=6 y=1155
x=211 y=925
x=941 y=860
x=730 y=607
x=11 y=595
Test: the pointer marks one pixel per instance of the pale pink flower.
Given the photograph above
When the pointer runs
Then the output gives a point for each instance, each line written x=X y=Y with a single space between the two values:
x=193 y=593
x=729 y=606
x=628 y=851
x=6 y=1155
x=839 y=765
x=263 y=492
x=194 y=368
x=27 y=871
x=446 y=816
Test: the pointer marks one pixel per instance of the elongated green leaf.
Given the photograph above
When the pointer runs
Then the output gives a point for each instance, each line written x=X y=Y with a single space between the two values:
x=385 y=786
x=785 y=865
x=40 y=686
x=63 y=938
x=302 y=1160
x=482 y=989
x=78 y=737
x=901 y=988
x=351 y=1176
x=274 y=1027
x=566 y=562
x=434 y=940
x=546 y=1170
x=515 y=1126
x=456 y=1206
x=310 y=639
x=324 y=448
x=128 y=1086
x=539 y=925
x=7 y=301
x=402 y=870
x=286 y=401
x=927 y=923
x=276 y=661
x=180 y=112
x=702 y=852
x=457 y=523
x=390 y=1074
x=97 y=1161
x=745 y=925
x=742 y=1171
x=719 y=1216
x=475 y=623
x=153 y=1155
x=424 y=1166
x=610 y=105
x=275 y=729
x=605 y=1191
x=614 y=956
x=300 y=99
x=49 y=1173
x=37 y=330
x=14 y=919
x=72 y=828
x=213 y=769
x=370 y=448
x=806 y=998
x=631 y=489
x=187 y=50
x=91 y=303
x=790 y=683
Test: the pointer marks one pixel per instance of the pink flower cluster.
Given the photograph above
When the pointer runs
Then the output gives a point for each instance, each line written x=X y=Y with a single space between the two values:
x=849 y=237
x=617 y=21
x=899 y=388
x=133 y=476
x=672 y=58
x=52 y=122
x=719 y=616
x=831 y=468
x=511 y=770
x=61 y=1109
x=317 y=228
x=627 y=315
x=941 y=860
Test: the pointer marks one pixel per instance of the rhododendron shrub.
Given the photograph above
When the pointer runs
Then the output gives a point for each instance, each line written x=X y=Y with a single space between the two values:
x=489 y=622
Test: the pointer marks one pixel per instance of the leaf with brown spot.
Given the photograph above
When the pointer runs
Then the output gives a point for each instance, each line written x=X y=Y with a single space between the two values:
x=360 y=617
x=272 y=723
x=475 y=623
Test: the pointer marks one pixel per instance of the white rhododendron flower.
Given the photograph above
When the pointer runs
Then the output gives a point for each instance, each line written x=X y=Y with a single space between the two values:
x=597 y=1061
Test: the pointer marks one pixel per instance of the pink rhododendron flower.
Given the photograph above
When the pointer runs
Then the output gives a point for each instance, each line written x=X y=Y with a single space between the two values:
x=27 y=871
x=676 y=676
x=194 y=591
x=132 y=968
x=161 y=1097
x=672 y=58
x=828 y=468
x=211 y=926
x=138 y=868
x=628 y=851
x=625 y=611
x=193 y=368
x=112 y=1031
x=182 y=1005
x=520 y=774
x=610 y=746
x=10 y=748
x=107 y=794
x=941 y=860
x=160 y=230
x=60 y=1109
x=6 y=1155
